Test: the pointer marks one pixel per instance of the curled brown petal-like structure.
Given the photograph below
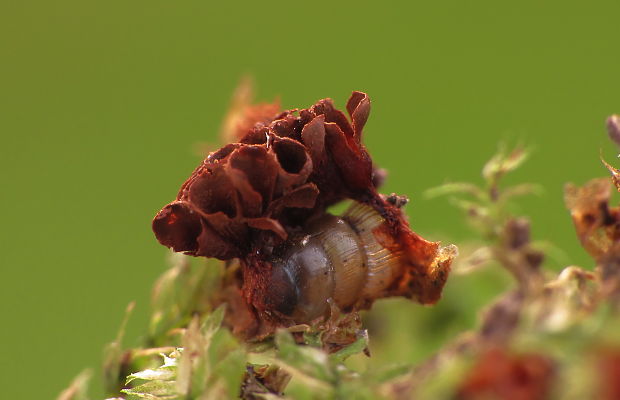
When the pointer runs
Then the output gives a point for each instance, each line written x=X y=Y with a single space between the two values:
x=233 y=196
x=248 y=198
x=270 y=182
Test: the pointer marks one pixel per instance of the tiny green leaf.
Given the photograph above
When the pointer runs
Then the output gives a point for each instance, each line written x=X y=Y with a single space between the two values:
x=307 y=361
x=520 y=190
x=155 y=390
x=79 y=387
x=213 y=322
x=472 y=208
x=501 y=163
x=455 y=188
x=359 y=346
x=165 y=374
x=231 y=369
x=113 y=353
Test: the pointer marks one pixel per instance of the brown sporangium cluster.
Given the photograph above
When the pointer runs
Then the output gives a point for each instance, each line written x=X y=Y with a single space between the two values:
x=260 y=204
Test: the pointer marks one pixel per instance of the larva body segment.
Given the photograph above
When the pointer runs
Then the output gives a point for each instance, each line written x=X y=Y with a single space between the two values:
x=337 y=259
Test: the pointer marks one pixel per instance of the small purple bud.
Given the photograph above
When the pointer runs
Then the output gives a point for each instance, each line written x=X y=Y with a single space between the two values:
x=613 y=128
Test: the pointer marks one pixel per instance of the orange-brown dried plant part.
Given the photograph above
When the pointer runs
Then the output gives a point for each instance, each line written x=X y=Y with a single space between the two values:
x=615 y=174
x=425 y=265
x=596 y=223
x=246 y=199
x=598 y=228
x=239 y=317
x=501 y=375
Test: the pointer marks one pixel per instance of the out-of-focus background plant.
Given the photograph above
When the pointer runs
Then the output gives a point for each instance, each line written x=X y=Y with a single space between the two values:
x=101 y=103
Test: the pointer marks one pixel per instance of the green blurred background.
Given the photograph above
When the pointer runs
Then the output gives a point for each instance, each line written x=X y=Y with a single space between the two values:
x=102 y=104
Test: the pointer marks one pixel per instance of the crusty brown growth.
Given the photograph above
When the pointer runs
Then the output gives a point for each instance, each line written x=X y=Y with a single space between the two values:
x=500 y=375
x=425 y=265
x=598 y=228
x=597 y=224
x=609 y=373
x=247 y=198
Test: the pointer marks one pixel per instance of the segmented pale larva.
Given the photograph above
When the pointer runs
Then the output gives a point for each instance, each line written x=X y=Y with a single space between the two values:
x=337 y=258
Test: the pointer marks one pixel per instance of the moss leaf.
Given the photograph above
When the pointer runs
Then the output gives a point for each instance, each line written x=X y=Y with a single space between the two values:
x=155 y=390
